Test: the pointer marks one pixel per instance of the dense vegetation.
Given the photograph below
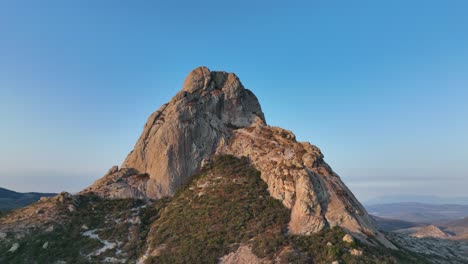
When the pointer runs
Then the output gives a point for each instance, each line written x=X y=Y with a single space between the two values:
x=227 y=204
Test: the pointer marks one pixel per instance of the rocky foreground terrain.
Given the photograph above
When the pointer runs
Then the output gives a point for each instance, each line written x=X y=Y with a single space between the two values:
x=209 y=182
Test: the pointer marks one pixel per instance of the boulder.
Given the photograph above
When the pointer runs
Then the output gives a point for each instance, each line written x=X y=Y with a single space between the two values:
x=348 y=239
x=14 y=247
x=356 y=252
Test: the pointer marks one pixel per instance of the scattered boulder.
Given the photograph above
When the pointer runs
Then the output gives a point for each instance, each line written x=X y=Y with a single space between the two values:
x=46 y=244
x=157 y=251
x=71 y=208
x=14 y=247
x=3 y=235
x=348 y=238
x=64 y=196
x=356 y=252
x=113 y=170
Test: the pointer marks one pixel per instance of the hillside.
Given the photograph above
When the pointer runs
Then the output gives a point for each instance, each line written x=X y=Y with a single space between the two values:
x=458 y=228
x=224 y=211
x=11 y=200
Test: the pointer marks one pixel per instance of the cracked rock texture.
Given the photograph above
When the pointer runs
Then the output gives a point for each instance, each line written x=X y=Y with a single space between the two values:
x=215 y=114
x=187 y=130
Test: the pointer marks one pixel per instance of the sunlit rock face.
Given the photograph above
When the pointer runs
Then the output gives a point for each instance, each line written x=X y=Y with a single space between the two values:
x=187 y=130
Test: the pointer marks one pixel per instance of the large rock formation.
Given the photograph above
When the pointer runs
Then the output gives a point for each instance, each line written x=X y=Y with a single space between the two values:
x=215 y=114
x=186 y=131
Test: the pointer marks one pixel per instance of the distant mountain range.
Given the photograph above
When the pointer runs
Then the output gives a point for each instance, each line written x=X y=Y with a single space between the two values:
x=426 y=199
x=419 y=212
x=11 y=199
x=422 y=220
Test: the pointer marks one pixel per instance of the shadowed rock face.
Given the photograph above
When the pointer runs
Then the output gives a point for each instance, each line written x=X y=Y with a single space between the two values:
x=214 y=114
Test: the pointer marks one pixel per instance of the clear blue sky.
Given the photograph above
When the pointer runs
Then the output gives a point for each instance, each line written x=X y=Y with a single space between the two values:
x=380 y=86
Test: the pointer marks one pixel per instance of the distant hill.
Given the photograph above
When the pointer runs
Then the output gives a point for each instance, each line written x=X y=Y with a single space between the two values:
x=419 y=212
x=428 y=231
x=386 y=224
x=432 y=227
x=11 y=199
x=457 y=227
x=463 y=222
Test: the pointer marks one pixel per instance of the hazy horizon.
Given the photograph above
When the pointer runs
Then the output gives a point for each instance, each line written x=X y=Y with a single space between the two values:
x=380 y=88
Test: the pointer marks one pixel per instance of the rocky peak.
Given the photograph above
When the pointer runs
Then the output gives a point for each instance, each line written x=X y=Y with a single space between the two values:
x=199 y=78
x=237 y=106
x=183 y=133
x=214 y=114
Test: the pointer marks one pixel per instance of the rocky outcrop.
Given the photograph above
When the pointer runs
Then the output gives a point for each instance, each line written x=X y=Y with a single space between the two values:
x=214 y=114
x=242 y=255
x=123 y=183
x=297 y=175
